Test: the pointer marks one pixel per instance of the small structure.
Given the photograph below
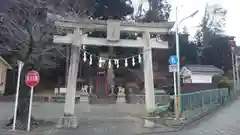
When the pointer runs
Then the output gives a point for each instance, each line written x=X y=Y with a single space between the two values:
x=4 y=66
x=199 y=73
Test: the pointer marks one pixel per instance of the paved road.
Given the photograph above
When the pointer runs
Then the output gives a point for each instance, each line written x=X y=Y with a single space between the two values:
x=224 y=122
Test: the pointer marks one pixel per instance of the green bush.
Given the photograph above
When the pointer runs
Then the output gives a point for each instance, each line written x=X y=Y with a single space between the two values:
x=225 y=83
x=216 y=79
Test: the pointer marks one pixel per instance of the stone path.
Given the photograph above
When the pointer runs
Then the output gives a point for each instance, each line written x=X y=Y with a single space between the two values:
x=53 y=111
x=224 y=122
x=92 y=118
x=114 y=120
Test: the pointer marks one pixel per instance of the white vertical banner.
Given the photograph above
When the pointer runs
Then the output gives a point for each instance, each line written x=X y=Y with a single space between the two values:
x=20 y=66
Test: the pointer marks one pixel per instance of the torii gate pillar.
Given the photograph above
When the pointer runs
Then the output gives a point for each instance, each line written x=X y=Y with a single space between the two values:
x=148 y=73
x=69 y=119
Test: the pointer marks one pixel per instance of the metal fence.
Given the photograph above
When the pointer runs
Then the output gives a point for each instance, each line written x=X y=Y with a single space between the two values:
x=194 y=103
x=140 y=99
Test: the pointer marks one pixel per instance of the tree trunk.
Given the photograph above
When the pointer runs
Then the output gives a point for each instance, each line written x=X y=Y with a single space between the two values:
x=23 y=104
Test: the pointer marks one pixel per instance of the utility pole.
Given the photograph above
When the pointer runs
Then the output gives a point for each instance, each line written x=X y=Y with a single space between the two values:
x=233 y=47
x=178 y=55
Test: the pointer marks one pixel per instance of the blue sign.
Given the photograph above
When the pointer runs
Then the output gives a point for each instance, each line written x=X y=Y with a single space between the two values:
x=173 y=60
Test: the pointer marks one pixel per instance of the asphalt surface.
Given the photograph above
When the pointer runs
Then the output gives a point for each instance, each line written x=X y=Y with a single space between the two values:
x=224 y=122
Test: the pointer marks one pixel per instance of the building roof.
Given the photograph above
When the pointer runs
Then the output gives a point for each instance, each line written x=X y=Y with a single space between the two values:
x=5 y=63
x=204 y=68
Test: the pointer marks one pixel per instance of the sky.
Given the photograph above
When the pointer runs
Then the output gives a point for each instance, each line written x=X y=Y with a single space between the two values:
x=186 y=7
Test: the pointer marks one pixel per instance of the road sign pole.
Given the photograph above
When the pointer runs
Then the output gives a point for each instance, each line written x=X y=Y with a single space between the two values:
x=173 y=67
x=32 y=79
x=175 y=95
x=20 y=66
x=30 y=110
x=237 y=74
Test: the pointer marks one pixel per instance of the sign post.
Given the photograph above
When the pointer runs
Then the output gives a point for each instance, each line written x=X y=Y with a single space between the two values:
x=173 y=60
x=20 y=66
x=31 y=80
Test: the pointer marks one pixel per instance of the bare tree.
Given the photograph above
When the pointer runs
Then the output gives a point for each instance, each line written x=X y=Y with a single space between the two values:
x=185 y=30
x=159 y=11
x=26 y=34
x=212 y=24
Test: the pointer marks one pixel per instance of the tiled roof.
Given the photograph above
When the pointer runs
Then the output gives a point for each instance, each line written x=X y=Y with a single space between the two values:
x=203 y=68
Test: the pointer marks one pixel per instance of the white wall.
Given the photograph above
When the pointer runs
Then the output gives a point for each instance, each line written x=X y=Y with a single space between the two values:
x=201 y=78
x=187 y=80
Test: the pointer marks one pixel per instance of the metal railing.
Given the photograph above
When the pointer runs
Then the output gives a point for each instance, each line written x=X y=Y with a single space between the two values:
x=196 y=103
x=140 y=99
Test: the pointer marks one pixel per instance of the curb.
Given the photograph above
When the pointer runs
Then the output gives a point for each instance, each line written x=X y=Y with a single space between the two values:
x=194 y=119
x=17 y=132
x=20 y=133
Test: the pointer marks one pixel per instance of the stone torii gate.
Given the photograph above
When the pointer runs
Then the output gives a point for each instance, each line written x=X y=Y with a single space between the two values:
x=113 y=29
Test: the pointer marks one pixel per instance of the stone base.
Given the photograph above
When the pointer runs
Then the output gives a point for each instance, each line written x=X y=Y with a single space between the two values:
x=67 y=122
x=173 y=122
x=149 y=124
x=84 y=99
x=121 y=99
